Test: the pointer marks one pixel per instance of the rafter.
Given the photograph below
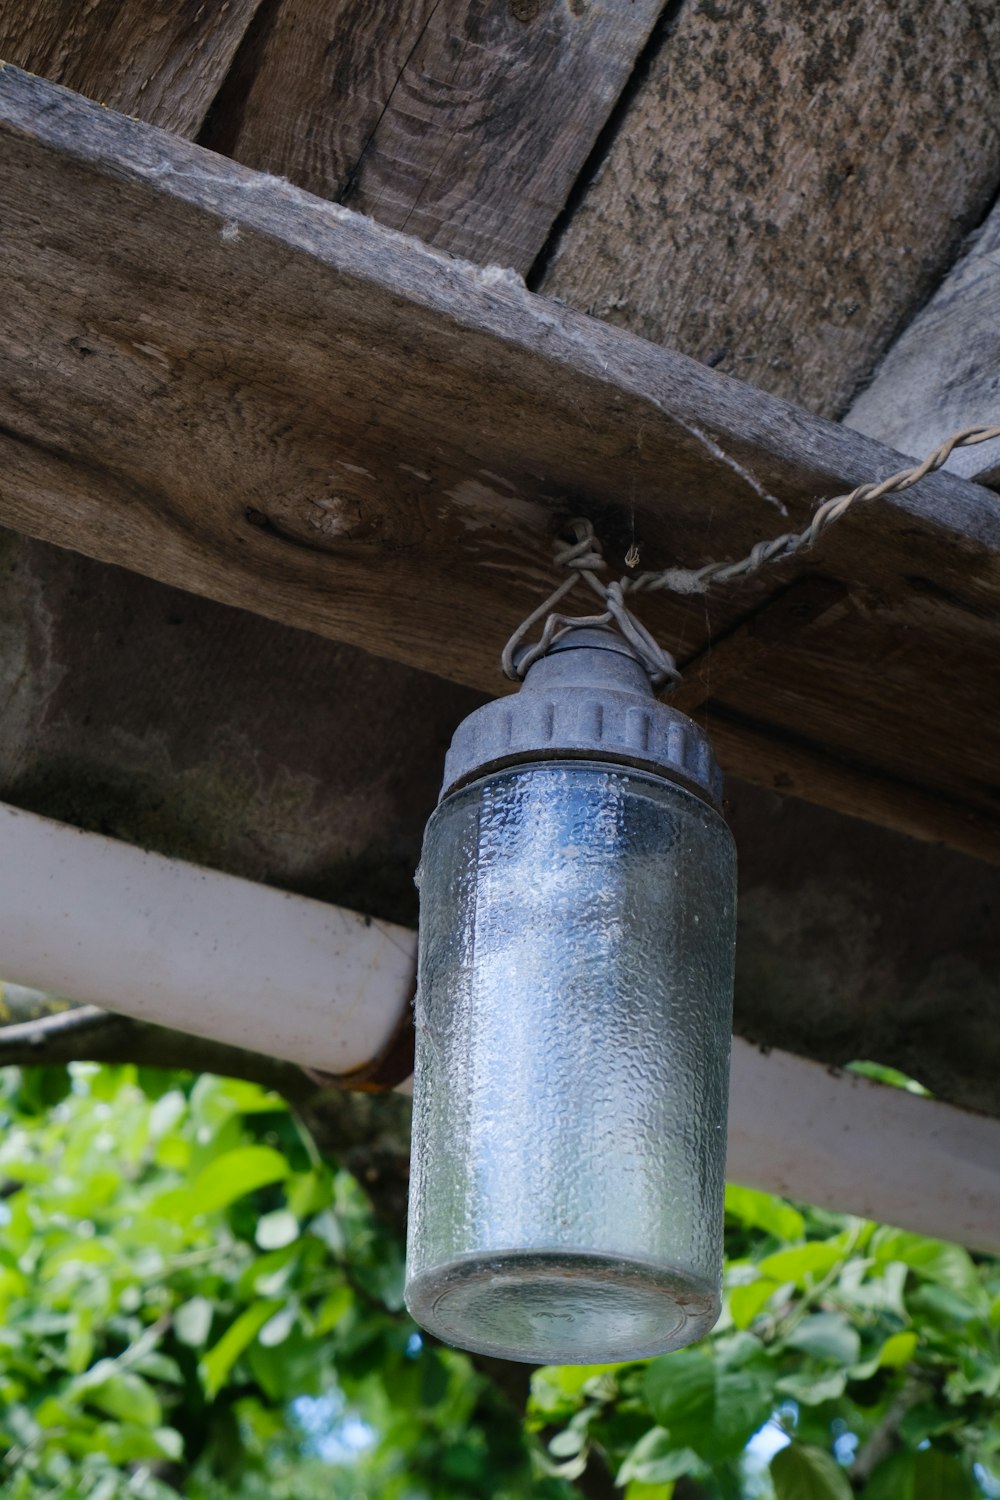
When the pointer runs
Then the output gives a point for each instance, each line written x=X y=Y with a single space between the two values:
x=213 y=378
x=941 y=373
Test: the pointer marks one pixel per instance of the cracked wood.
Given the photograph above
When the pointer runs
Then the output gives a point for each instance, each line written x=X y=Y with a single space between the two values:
x=156 y=59
x=464 y=122
x=277 y=403
x=943 y=372
x=789 y=185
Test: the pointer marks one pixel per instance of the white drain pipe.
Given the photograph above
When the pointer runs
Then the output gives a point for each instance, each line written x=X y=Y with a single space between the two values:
x=91 y=919
x=841 y=1141
x=88 y=918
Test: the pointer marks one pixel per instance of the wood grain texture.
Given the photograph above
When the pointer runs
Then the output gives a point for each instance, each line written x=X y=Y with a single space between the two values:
x=990 y=477
x=160 y=60
x=279 y=404
x=943 y=372
x=464 y=122
x=790 y=185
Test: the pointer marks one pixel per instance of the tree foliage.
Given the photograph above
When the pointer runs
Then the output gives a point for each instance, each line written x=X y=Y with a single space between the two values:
x=193 y=1301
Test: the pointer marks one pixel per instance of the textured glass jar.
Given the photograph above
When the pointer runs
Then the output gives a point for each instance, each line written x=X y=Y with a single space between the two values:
x=573 y=1035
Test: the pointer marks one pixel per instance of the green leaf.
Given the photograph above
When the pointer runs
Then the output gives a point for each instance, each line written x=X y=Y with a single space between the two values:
x=298 y=1367
x=171 y=1443
x=80 y=1342
x=656 y=1459
x=214 y=1100
x=193 y=1320
x=710 y=1400
x=568 y=1443
x=77 y=1253
x=277 y=1229
x=940 y=1305
x=933 y=1260
x=874 y=1287
x=813 y=1390
x=804 y=1262
x=159 y=1366
x=128 y=1444
x=929 y=1475
x=333 y=1308
x=554 y=1386
x=119 y=1393
x=827 y=1336
x=745 y=1302
x=763 y=1211
x=977 y=1374
x=799 y=1472
x=232 y=1175
x=54 y=1413
x=927 y=1420
x=166 y=1113
x=217 y=1363
x=309 y=1193
x=891 y=1076
x=637 y=1489
x=269 y=1274
x=897 y=1351
x=276 y=1330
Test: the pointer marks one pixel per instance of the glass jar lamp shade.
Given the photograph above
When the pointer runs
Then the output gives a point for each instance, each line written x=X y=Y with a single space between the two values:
x=573 y=1021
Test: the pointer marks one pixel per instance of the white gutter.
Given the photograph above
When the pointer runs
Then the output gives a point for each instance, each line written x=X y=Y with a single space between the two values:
x=841 y=1141
x=87 y=918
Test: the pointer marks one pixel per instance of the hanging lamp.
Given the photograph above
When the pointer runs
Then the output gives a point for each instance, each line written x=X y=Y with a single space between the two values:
x=573 y=1020
x=574 y=1000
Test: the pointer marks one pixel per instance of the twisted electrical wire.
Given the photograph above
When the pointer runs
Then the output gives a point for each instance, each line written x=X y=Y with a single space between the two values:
x=585 y=560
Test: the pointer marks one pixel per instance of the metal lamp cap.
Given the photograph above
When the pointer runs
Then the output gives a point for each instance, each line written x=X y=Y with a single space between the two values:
x=590 y=698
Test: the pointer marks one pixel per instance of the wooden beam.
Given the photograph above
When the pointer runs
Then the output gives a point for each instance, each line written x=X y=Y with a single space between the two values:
x=215 y=736
x=789 y=185
x=463 y=123
x=270 y=400
x=943 y=372
x=154 y=59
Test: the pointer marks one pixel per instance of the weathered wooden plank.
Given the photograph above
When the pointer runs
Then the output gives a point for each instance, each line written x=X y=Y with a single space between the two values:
x=943 y=372
x=160 y=60
x=272 y=401
x=790 y=185
x=990 y=477
x=464 y=122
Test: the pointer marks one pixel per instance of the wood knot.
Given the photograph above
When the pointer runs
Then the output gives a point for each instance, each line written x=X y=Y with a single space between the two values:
x=525 y=10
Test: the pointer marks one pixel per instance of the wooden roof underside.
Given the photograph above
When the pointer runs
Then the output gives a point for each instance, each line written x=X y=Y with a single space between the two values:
x=216 y=382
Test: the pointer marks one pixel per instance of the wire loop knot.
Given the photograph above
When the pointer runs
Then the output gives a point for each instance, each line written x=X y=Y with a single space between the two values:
x=585 y=560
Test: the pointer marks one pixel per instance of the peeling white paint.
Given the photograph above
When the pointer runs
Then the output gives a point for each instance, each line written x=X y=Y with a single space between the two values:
x=354 y=468
x=153 y=353
x=483 y=508
x=505 y=484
